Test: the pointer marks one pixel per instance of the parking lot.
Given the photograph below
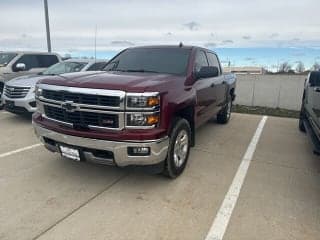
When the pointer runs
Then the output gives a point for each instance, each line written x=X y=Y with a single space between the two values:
x=43 y=196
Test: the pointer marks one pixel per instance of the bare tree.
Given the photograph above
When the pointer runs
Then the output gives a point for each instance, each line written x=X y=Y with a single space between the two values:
x=284 y=67
x=316 y=67
x=300 y=67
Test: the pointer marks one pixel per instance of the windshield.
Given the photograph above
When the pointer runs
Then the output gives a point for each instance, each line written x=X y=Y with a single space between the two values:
x=5 y=58
x=159 y=60
x=65 y=67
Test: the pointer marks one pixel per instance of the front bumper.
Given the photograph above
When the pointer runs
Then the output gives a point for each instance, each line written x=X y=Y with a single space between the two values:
x=116 y=152
x=21 y=105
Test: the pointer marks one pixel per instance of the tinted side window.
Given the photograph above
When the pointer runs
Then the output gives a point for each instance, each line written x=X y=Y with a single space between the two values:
x=200 y=61
x=31 y=61
x=315 y=79
x=47 y=60
x=213 y=61
x=97 y=66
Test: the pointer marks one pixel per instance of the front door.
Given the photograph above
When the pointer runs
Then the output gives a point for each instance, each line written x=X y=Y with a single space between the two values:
x=205 y=91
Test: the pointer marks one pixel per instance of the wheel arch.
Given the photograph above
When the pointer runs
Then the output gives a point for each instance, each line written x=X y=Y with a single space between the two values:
x=188 y=114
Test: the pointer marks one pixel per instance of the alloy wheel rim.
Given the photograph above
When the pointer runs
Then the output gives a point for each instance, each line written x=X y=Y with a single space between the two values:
x=181 y=148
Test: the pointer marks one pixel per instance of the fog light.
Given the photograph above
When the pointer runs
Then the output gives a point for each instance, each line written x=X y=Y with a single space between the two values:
x=33 y=104
x=138 y=151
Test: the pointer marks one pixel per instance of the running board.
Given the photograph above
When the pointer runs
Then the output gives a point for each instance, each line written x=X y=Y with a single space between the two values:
x=315 y=141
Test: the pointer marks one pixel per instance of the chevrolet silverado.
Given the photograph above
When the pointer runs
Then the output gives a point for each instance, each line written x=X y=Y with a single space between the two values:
x=143 y=110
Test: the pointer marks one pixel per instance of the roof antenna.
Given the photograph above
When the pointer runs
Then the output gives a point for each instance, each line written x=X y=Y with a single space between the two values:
x=180 y=44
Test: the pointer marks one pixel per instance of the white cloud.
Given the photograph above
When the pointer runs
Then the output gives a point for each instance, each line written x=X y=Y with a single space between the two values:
x=230 y=23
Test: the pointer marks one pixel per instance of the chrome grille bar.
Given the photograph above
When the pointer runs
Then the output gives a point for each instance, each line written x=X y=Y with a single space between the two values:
x=90 y=115
x=16 y=92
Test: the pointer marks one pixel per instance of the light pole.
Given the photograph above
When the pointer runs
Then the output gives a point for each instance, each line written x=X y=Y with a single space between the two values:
x=47 y=25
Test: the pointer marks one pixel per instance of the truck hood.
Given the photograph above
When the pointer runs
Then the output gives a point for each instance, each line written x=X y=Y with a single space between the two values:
x=130 y=82
x=25 y=81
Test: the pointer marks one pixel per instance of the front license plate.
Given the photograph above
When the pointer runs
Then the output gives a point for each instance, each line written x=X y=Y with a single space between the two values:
x=71 y=153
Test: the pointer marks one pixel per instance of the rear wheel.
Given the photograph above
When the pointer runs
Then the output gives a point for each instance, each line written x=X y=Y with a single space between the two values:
x=179 y=148
x=224 y=115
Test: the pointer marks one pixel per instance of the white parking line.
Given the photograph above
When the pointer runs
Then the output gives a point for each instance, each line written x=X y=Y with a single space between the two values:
x=2 y=155
x=223 y=216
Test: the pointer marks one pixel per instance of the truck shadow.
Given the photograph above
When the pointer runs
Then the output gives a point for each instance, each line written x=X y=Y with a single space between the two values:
x=16 y=118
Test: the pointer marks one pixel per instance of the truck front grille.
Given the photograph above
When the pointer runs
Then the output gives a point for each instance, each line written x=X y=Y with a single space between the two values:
x=16 y=92
x=81 y=118
x=89 y=99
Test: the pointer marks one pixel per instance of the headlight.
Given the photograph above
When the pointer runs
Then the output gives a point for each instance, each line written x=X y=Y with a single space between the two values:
x=137 y=120
x=143 y=100
x=38 y=91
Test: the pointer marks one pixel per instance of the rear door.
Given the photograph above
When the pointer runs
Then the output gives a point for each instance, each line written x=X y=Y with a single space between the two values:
x=204 y=91
x=219 y=83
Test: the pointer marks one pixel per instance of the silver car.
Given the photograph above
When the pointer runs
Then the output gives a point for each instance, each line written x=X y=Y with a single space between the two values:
x=19 y=94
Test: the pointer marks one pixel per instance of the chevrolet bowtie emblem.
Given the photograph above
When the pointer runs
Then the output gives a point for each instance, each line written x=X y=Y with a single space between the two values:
x=69 y=106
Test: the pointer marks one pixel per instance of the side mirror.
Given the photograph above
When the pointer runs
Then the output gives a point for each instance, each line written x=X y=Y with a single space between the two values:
x=207 y=72
x=20 y=67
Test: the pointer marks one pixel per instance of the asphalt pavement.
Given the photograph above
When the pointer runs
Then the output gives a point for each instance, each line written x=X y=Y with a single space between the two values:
x=44 y=196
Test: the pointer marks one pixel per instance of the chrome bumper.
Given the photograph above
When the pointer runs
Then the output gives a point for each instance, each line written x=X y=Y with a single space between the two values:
x=158 y=148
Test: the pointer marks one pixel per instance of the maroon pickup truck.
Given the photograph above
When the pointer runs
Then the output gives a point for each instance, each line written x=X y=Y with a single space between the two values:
x=142 y=111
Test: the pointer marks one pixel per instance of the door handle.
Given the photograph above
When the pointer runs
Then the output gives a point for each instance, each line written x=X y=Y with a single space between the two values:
x=317 y=89
x=212 y=85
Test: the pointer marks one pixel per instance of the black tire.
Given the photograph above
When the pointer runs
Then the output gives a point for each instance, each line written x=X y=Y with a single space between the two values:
x=173 y=167
x=301 y=126
x=302 y=118
x=224 y=115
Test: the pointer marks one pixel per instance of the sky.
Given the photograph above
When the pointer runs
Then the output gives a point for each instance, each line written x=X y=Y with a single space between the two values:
x=210 y=23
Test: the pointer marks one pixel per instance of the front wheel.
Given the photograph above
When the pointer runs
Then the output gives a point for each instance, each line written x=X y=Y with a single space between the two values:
x=179 y=148
x=224 y=115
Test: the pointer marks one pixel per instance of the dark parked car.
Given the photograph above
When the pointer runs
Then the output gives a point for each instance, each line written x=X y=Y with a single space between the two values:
x=143 y=111
x=310 y=111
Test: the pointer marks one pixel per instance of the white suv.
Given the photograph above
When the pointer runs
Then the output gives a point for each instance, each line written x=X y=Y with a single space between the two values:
x=19 y=96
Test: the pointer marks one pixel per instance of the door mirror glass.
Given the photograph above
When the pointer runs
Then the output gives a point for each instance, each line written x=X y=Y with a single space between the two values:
x=20 y=67
x=207 y=72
